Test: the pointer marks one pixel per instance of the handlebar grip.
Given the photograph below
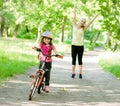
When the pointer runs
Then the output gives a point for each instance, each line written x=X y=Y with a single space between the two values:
x=37 y=49
x=59 y=56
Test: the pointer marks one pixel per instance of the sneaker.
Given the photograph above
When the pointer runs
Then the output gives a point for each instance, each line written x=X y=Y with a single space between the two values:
x=80 y=76
x=73 y=75
x=47 y=88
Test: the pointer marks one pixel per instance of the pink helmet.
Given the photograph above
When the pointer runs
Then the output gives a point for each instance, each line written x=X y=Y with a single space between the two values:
x=47 y=34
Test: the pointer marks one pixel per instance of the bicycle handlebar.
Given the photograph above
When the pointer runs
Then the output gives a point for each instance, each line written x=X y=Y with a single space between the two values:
x=39 y=50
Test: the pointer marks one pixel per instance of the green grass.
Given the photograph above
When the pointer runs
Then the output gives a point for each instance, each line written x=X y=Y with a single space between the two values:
x=16 y=56
x=111 y=62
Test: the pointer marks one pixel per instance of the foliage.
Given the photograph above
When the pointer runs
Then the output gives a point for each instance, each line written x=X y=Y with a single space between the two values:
x=54 y=14
x=110 y=10
x=27 y=36
x=89 y=45
x=25 y=33
x=1 y=4
x=90 y=35
x=15 y=57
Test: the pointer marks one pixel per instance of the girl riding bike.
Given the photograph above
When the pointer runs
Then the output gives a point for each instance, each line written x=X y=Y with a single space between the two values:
x=46 y=46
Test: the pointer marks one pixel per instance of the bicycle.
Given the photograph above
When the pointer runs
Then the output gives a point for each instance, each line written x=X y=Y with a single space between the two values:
x=38 y=81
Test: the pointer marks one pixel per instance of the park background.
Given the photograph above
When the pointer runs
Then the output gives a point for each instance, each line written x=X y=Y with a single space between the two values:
x=22 y=23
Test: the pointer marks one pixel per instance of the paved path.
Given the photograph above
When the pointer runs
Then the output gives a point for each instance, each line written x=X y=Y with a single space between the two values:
x=97 y=88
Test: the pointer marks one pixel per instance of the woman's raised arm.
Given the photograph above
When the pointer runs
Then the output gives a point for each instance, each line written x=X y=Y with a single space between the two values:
x=91 y=21
x=74 y=15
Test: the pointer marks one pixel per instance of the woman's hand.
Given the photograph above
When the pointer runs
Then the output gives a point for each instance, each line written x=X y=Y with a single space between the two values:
x=75 y=5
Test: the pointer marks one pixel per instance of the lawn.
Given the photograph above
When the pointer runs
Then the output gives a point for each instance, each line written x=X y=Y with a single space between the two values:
x=16 y=55
x=111 y=62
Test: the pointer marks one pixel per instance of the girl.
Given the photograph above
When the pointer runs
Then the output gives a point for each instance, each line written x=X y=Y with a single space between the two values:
x=46 y=46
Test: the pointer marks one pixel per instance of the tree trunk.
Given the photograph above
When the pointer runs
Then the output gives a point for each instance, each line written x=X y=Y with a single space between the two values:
x=38 y=37
x=27 y=29
x=7 y=32
x=63 y=27
x=16 y=31
x=62 y=36
x=108 y=44
x=115 y=47
x=2 y=25
x=96 y=38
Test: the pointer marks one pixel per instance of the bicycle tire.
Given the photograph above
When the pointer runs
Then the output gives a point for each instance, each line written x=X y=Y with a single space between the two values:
x=33 y=88
x=41 y=87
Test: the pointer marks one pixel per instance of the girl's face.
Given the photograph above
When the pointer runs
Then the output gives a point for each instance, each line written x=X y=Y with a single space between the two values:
x=46 y=40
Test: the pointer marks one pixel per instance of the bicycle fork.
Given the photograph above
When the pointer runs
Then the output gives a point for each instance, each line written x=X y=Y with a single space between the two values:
x=41 y=78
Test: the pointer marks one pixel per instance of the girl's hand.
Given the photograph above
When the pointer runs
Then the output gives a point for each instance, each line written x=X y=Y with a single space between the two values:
x=34 y=48
x=59 y=56
x=37 y=49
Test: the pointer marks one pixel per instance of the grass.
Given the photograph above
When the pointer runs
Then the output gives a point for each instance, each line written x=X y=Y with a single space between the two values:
x=111 y=62
x=16 y=56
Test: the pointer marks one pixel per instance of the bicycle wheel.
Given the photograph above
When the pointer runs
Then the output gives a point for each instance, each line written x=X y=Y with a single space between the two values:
x=33 y=88
x=41 y=87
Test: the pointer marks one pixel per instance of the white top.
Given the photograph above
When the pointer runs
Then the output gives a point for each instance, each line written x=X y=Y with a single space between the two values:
x=78 y=36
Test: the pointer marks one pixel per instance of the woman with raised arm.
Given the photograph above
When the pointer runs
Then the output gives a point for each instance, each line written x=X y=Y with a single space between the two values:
x=77 y=47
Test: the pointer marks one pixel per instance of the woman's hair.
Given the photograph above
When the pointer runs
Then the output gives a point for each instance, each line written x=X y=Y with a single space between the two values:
x=82 y=26
x=43 y=41
x=83 y=19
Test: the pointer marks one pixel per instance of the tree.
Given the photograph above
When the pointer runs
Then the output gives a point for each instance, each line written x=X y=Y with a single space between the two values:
x=110 y=10
x=56 y=16
x=1 y=19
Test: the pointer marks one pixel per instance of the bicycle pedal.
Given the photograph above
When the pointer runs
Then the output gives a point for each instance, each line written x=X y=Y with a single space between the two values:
x=31 y=76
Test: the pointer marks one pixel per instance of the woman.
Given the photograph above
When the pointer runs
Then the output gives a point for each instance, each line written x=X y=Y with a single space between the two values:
x=77 y=48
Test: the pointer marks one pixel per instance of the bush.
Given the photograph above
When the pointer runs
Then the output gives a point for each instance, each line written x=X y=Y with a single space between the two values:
x=27 y=36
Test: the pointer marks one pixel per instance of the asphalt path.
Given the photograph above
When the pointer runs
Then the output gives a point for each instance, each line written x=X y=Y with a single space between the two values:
x=97 y=88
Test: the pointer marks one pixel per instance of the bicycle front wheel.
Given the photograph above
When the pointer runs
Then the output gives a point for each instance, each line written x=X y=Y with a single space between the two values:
x=33 y=88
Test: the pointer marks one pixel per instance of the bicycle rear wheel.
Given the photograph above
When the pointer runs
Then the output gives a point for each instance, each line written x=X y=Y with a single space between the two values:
x=33 y=88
